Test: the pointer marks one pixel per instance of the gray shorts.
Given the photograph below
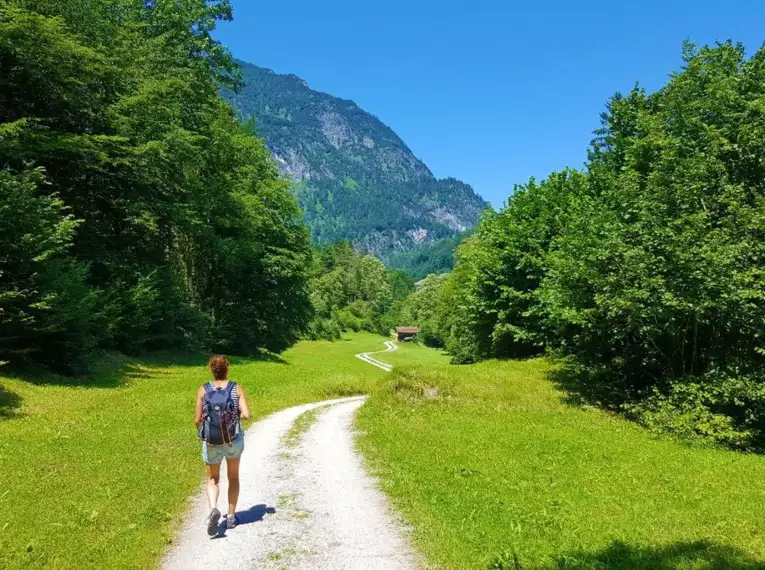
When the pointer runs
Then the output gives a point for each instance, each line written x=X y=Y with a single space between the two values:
x=214 y=454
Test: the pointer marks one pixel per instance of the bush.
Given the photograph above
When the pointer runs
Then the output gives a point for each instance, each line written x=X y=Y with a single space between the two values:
x=323 y=329
x=717 y=408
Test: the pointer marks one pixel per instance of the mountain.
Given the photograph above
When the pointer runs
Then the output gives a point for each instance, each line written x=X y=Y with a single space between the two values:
x=355 y=179
x=434 y=257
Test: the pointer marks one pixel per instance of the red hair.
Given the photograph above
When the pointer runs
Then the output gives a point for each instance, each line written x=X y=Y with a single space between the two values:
x=218 y=366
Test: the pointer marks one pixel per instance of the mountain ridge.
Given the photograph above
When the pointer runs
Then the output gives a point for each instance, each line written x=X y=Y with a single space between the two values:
x=354 y=177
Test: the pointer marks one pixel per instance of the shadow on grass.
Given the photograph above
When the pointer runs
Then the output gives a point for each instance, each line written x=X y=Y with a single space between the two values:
x=701 y=555
x=199 y=360
x=261 y=357
x=166 y=359
x=112 y=370
x=9 y=403
x=583 y=388
x=108 y=371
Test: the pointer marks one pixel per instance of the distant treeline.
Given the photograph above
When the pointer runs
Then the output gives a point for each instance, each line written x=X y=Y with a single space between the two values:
x=136 y=211
x=434 y=257
x=645 y=271
x=354 y=292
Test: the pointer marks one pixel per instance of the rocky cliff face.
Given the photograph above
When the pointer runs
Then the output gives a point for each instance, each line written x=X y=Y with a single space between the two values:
x=354 y=177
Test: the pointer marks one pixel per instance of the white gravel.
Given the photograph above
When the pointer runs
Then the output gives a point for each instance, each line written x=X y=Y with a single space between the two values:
x=366 y=356
x=309 y=507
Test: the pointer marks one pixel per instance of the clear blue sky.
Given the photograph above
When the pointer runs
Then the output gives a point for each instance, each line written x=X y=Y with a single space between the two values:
x=489 y=91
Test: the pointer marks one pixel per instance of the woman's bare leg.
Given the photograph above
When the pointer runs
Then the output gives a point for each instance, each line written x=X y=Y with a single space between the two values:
x=232 y=466
x=212 y=472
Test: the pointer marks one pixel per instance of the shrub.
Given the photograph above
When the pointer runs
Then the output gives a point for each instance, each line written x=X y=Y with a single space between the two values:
x=719 y=408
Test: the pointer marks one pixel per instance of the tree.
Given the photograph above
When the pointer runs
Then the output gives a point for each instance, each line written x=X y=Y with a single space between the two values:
x=659 y=274
x=646 y=271
x=423 y=308
x=350 y=291
x=186 y=232
x=47 y=313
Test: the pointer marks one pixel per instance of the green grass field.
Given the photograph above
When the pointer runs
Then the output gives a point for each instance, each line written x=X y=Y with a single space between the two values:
x=409 y=353
x=494 y=470
x=96 y=471
x=488 y=463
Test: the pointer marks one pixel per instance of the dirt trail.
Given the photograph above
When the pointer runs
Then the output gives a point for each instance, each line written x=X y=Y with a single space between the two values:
x=365 y=356
x=306 y=502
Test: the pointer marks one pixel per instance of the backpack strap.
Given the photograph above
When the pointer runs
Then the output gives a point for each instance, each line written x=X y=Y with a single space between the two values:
x=228 y=437
x=203 y=427
x=230 y=396
x=234 y=409
x=208 y=390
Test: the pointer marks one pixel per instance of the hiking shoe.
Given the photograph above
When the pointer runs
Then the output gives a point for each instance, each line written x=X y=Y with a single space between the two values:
x=231 y=521
x=212 y=522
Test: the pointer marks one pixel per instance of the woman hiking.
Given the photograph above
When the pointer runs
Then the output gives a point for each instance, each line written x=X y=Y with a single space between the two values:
x=221 y=404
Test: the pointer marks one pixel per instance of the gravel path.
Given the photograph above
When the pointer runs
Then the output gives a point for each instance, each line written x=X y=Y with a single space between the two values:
x=365 y=356
x=309 y=505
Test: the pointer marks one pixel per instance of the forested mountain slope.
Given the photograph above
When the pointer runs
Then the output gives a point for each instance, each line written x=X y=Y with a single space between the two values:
x=355 y=178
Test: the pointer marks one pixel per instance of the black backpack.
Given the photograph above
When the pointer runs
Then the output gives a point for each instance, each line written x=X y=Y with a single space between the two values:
x=220 y=416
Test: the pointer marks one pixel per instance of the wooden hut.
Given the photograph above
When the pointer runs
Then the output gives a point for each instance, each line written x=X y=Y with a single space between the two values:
x=405 y=334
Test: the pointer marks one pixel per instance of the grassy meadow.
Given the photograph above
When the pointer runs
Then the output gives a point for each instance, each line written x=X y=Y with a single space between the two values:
x=97 y=470
x=410 y=353
x=488 y=463
x=494 y=469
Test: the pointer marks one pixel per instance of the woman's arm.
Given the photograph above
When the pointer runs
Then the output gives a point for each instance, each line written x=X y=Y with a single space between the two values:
x=198 y=412
x=244 y=409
